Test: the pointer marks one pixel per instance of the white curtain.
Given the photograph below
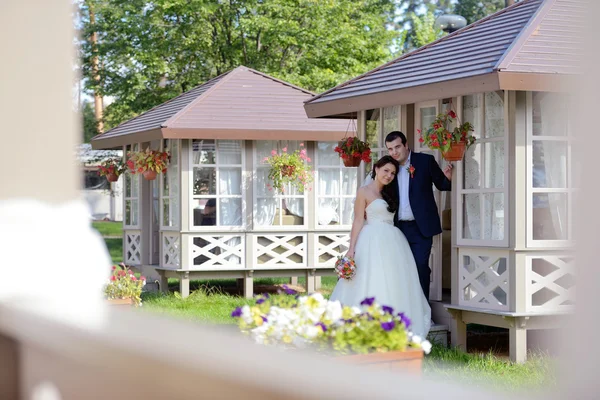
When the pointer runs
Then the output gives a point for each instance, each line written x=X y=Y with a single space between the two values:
x=230 y=184
x=486 y=113
x=329 y=208
x=553 y=123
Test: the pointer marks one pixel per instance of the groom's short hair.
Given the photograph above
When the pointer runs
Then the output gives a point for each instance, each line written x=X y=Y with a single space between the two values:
x=395 y=135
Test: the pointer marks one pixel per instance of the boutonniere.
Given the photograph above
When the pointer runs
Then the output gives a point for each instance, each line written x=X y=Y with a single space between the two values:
x=411 y=170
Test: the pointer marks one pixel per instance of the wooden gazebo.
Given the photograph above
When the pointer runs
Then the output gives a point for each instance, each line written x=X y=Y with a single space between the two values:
x=211 y=215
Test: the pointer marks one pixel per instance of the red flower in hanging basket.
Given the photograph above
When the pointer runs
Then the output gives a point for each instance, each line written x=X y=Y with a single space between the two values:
x=148 y=162
x=352 y=151
x=451 y=142
x=112 y=169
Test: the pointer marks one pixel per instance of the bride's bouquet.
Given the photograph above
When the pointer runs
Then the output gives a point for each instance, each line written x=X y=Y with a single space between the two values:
x=345 y=267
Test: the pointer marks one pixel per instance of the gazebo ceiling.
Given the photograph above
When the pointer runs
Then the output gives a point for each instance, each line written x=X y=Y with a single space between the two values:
x=531 y=45
x=240 y=104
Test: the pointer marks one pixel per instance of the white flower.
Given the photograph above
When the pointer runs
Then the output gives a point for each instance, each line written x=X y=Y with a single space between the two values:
x=416 y=339
x=355 y=311
x=247 y=315
x=333 y=311
x=426 y=346
x=310 y=331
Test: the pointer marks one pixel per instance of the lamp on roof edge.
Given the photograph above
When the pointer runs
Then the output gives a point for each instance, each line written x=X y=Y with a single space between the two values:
x=450 y=22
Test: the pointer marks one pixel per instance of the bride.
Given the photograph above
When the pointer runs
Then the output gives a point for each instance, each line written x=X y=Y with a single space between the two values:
x=385 y=267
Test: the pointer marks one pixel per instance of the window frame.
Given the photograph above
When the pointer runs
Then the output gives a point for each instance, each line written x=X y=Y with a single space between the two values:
x=461 y=191
x=340 y=167
x=217 y=196
x=259 y=165
x=176 y=196
x=569 y=190
x=135 y=180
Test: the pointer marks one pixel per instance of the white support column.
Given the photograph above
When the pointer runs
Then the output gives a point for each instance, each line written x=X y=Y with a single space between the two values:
x=518 y=344
x=458 y=331
x=310 y=281
x=248 y=285
x=184 y=285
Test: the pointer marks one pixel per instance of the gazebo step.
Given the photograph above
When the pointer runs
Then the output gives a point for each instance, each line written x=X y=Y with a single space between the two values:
x=438 y=334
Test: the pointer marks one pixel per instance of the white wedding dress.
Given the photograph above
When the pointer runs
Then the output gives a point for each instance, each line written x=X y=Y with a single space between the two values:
x=386 y=270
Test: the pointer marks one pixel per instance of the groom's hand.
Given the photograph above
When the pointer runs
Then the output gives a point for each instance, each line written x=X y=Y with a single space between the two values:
x=448 y=171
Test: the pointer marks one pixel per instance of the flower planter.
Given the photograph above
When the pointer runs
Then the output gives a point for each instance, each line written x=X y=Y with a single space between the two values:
x=351 y=162
x=456 y=152
x=149 y=175
x=410 y=360
x=120 y=302
x=112 y=177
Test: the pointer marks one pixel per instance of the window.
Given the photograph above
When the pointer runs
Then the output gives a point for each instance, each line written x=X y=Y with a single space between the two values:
x=483 y=193
x=274 y=208
x=170 y=186
x=216 y=182
x=551 y=189
x=335 y=187
x=380 y=122
x=93 y=181
x=131 y=192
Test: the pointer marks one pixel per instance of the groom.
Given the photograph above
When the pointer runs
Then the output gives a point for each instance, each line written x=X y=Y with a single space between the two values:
x=417 y=216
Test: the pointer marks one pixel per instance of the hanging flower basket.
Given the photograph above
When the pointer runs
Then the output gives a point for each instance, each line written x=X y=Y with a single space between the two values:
x=149 y=175
x=112 y=169
x=289 y=168
x=352 y=150
x=148 y=163
x=452 y=144
x=456 y=152
x=112 y=177
x=351 y=162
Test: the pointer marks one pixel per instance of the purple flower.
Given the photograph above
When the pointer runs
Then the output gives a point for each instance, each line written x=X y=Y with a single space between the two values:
x=288 y=290
x=237 y=312
x=322 y=325
x=388 y=326
x=387 y=309
x=260 y=300
x=405 y=319
x=264 y=318
x=368 y=301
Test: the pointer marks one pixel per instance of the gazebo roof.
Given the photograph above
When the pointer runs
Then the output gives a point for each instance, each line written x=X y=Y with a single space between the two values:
x=531 y=45
x=240 y=104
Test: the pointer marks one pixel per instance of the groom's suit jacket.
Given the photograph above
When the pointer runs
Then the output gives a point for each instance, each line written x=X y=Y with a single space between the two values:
x=420 y=192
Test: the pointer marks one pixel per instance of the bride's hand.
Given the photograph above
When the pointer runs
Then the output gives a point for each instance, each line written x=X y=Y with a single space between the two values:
x=350 y=253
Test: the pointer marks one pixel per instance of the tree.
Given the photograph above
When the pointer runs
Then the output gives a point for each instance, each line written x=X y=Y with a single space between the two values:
x=474 y=10
x=151 y=51
x=424 y=30
x=412 y=9
x=90 y=126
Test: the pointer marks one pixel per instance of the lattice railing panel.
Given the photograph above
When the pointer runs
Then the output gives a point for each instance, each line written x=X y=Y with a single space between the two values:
x=329 y=246
x=133 y=247
x=484 y=281
x=280 y=250
x=224 y=250
x=171 y=250
x=550 y=283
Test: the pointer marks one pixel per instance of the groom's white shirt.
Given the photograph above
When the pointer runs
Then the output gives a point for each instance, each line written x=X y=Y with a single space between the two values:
x=405 y=212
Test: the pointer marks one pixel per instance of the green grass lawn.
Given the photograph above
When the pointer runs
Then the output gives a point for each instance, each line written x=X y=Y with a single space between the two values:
x=115 y=248
x=107 y=228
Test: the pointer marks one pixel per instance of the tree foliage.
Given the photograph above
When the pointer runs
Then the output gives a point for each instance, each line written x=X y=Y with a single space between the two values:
x=474 y=10
x=424 y=30
x=151 y=51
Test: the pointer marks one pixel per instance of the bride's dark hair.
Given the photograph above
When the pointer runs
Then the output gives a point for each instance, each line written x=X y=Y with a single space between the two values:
x=389 y=192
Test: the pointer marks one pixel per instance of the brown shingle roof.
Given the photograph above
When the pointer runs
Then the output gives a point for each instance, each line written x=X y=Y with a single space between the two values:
x=534 y=36
x=241 y=104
